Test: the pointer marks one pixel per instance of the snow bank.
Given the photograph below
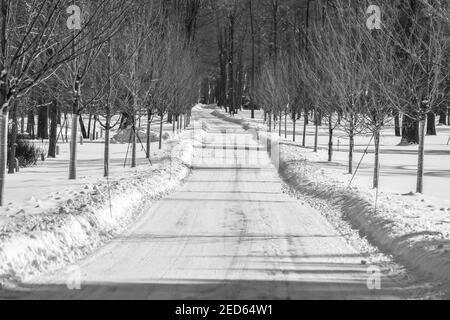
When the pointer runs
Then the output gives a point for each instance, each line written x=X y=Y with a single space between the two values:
x=413 y=228
x=31 y=245
x=405 y=226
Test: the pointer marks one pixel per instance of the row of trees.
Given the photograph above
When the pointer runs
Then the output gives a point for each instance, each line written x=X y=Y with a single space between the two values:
x=354 y=65
x=118 y=61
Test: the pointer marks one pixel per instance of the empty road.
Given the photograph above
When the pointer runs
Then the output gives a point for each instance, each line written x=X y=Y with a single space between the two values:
x=229 y=232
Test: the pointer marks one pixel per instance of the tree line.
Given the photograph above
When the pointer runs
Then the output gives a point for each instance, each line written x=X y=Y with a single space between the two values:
x=357 y=66
x=116 y=62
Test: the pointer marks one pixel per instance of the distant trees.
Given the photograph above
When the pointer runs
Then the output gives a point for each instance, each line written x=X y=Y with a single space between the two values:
x=34 y=42
x=421 y=44
x=139 y=59
x=114 y=62
x=359 y=79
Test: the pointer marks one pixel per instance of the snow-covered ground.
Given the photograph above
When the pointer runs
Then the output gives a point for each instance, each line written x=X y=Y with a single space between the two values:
x=229 y=232
x=414 y=228
x=398 y=163
x=231 y=229
x=51 y=221
x=42 y=187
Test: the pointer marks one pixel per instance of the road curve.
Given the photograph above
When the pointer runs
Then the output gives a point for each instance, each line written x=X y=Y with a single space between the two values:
x=229 y=232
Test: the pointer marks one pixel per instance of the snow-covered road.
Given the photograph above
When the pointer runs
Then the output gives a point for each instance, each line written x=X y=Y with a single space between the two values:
x=228 y=233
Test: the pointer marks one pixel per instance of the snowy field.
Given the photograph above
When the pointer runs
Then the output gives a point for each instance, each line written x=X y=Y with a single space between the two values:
x=42 y=187
x=51 y=221
x=398 y=163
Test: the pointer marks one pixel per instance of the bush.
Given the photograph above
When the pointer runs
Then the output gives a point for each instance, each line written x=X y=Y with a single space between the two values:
x=26 y=152
x=123 y=136
x=166 y=136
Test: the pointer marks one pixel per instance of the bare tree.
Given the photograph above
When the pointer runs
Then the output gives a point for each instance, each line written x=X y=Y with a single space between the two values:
x=33 y=47
x=420 y=42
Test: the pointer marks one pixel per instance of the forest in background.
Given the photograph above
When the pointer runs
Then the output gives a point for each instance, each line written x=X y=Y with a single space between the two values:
x=112 y=62
x=354 y=66
x=134 y=60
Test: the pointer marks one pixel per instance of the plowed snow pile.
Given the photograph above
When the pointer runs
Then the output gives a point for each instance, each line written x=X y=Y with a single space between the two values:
x=57 y=236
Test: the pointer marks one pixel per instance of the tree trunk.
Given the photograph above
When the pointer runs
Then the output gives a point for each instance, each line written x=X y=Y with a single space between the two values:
x=421 y=165
x=161 y=132
x=294 y=125
x=84 y=132
x=108 y=114
x=330 y=141
x=252 y=29
x=231 y=104
x=43 y=123
x=431 y=124
x=22 y=123
x=135 y=92
x=275 y=33
x=285 y=124
x=4 y=81
x=3 y=147
x=443 y=116
x=351 y=147
x=89 y=126
x=94 y=129
x=280 y=124
x=66 y=131
x=319 y=117
x=240 y=75
x=73 y=142
x=398 y=130
x=73 y=148
x=316 y=133
x=133 y=144
x=270 y=121
x=107 y=146
x=305 y=126
x=275 y=122
x=149 y=135
x=222 y=81
x=376 y=173
x=410 y=133
x=31 y=124
x=53 y=110
x=448 y=116
x=13 y=142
